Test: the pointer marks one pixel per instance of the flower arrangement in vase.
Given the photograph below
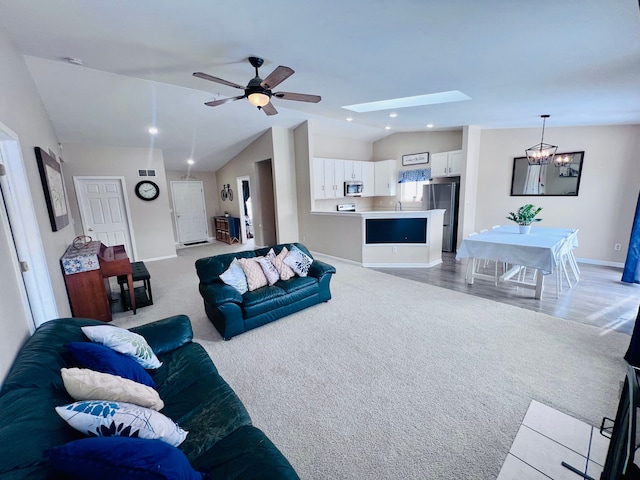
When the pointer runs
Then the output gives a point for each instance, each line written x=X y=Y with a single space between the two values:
x=525 y=216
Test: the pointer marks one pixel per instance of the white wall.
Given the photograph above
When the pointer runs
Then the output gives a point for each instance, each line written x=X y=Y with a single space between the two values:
x=21 y=110
x=604 y=208
x=284 y=182
x=152 y=229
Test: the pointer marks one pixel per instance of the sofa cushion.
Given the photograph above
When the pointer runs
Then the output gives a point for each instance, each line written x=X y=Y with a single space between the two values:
x=85 y=384
x=123 y=341
x=297 y=283
x=234 y=277
x=198 y=398
x=103 y=359
x=284 y=270
x=268 y=268
x=255 y=276
x=272 y=301
x=99 y=418
x=265 y=294
x=299 y=261
x=121 y=458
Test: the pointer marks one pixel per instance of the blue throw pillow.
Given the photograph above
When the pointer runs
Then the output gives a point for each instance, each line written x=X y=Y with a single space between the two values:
x=121 y=458
x=95 y=356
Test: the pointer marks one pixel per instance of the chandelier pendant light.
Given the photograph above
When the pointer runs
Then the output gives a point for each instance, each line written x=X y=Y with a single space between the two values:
x=542 y=153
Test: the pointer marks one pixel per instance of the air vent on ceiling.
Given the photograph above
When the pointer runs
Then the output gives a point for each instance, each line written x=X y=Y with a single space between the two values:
x=146 y=173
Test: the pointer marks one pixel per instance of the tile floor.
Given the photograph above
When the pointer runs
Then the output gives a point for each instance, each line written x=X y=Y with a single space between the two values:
x=547 y=438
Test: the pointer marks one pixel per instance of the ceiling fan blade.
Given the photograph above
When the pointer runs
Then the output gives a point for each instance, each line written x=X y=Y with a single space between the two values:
x=299 y=97
x=211 y=78
x=276 y=77
x=269 y=109
x=215 y=103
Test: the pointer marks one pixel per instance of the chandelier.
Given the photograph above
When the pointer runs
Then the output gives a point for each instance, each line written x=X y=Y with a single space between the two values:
x=542 y=153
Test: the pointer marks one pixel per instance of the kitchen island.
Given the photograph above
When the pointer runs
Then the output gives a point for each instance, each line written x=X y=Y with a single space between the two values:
x=380 y=238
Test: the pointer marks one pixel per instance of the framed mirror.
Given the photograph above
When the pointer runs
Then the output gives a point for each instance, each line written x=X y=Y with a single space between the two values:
x=558 y=178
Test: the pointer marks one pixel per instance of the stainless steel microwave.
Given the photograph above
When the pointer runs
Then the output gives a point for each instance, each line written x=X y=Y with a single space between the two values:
x=353 y=188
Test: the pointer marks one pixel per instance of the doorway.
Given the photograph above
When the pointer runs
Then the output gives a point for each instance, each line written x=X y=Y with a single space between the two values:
x=104 y=211
x=246 y=208
x=189 y=211
x=28 y=260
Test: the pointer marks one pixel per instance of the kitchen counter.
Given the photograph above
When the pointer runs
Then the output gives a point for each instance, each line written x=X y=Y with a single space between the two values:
x=381 y=238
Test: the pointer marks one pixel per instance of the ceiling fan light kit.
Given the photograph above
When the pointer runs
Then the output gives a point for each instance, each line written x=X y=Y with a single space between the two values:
x=542 y=153
x=258 y=91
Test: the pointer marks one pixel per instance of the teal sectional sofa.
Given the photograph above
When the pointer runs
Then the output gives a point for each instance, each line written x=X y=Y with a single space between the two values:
x=233 y=313
x=221 y=442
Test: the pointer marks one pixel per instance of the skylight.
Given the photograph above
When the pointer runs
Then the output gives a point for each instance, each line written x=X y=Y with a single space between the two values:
x=418 y=100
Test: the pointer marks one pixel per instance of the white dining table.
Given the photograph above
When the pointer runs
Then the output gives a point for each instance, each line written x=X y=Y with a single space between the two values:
x=539 y=249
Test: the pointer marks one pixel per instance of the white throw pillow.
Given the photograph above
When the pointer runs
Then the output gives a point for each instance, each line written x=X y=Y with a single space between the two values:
x=299 y=261
x=111 y=419
x=234 y=277
x=85 y=384
x=268 y=268
x=123 y=341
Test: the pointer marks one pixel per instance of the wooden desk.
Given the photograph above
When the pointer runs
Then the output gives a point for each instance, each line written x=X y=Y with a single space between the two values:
x=86 y=273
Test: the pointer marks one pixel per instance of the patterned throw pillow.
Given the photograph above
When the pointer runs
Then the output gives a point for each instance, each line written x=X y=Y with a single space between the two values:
x=123 y=341
x=284 y=270
x=85 y=384
x=234 y=276
x=253 y=271
x=268 y=268
x=299 y=261
x=99 y=418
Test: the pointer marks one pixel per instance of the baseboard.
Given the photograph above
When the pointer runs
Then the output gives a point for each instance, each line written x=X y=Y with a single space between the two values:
x=603 y=263
x=352 y=262
x=402 y=265
x=158 y=258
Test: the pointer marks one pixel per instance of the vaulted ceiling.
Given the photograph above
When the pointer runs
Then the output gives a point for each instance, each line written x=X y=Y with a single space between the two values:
x=577 y=60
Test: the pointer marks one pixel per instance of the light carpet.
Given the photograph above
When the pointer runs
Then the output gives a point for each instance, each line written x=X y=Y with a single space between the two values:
x=395 y=379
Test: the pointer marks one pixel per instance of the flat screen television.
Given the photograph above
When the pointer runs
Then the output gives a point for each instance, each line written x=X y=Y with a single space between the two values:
x=619 y=464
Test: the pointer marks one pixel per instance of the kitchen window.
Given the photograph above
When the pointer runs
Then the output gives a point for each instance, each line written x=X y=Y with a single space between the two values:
x=412 y=191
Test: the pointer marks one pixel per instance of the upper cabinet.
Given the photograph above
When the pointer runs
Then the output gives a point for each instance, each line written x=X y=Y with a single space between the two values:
x=328 y=178
x=446 y=164
x=386 y=173
x=368 y=178
x=352 y=170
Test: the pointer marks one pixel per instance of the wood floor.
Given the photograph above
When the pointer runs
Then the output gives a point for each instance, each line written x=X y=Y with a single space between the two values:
x=599 y=298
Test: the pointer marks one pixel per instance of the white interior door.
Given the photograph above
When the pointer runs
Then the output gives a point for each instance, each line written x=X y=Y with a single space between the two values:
x=190 y=213
x=104 y=211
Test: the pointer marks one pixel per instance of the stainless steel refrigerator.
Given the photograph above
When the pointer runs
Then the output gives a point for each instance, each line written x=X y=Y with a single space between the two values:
x=444 y=195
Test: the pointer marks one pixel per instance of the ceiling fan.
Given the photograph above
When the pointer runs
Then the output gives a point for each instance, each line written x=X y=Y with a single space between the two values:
x=258 y=91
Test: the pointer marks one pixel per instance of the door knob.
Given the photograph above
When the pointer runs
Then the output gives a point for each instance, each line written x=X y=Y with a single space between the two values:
x=91 y=229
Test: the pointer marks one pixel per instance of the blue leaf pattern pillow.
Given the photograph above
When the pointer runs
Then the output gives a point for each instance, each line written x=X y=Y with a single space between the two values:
x=299 y=261
x=234 y=277
x=98 y=418
x=122 y=340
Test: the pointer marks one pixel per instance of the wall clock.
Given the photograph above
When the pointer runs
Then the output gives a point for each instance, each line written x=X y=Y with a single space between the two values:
x=147 y=190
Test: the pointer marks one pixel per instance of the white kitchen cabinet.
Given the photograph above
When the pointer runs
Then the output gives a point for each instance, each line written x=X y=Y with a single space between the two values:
x=368 y=179
x=385 y=173
x=446 y=164
x=352 y=170
x=328 y=178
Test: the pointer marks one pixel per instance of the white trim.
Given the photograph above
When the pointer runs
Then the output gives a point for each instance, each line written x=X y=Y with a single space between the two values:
x=243 y=226
x=352 y=262
x=603 y=263
x=26 y=233
x=159 y=258
x=123 y=188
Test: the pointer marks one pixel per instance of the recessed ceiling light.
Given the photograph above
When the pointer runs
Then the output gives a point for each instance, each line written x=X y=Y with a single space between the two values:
x=153 y=130
x=393 y=115
x=349 y=119
x=190 y=161
x=388 y=127
x=418 y=100
x=429 y=125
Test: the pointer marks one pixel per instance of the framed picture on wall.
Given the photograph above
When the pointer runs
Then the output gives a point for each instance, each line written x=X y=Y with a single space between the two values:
x=415 y=159
x=53 y=186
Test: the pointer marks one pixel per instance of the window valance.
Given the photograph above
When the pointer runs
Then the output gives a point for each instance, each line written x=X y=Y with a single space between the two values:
x=417 y=175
